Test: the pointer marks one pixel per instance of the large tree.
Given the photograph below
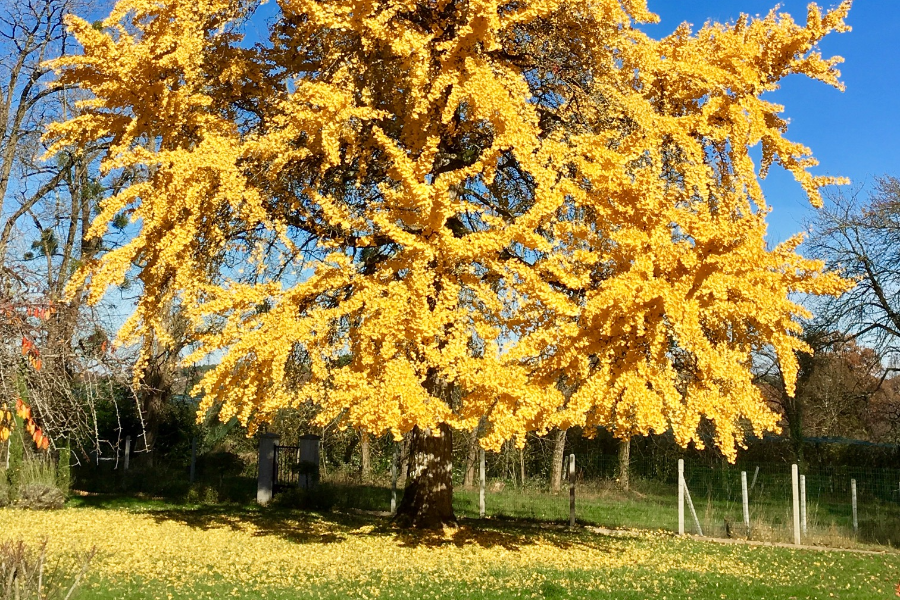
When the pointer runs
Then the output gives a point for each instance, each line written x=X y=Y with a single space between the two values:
x=421 y=215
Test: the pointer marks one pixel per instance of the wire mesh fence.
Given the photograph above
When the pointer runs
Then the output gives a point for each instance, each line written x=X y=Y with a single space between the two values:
x=650 y=499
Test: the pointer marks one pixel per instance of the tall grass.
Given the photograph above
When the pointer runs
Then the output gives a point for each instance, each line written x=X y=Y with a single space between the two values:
x=26 y=575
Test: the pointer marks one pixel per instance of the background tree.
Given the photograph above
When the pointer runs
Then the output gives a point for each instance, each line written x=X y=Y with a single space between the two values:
x=45 y=210
x=435 y=210
x=860 y=235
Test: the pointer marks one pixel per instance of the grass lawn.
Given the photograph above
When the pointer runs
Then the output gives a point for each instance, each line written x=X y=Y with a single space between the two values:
x=830 y=523
x=155 y=550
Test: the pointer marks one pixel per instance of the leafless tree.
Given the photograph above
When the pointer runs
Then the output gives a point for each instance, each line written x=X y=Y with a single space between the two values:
x=54 y=351
x=859 y=234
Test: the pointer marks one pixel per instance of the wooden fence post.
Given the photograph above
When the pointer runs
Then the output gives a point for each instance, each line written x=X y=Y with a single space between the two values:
x=803 y=504
x=127 y=451
x=481 y=482
x=690 y=503
x=746 y=501
x=795 y=494
x=571 y=490
x=853 y=502
x=680 y=496
x=394 y=468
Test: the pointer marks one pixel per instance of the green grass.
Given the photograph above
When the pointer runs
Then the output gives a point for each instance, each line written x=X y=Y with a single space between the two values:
x=651 y=506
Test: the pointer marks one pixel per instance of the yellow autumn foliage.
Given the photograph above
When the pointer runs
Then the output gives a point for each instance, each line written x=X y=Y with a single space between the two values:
x=416 y=212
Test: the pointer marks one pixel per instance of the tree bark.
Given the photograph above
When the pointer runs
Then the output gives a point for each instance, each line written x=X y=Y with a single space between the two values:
x=428 y=498
x=559 y=451
x=625 y=463
x=365 y=466
x=404 y=461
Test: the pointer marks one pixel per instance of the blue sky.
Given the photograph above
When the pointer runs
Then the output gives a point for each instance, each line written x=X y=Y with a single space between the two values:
x=854 y=133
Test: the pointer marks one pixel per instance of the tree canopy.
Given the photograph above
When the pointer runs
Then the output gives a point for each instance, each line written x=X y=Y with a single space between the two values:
x=426 y=213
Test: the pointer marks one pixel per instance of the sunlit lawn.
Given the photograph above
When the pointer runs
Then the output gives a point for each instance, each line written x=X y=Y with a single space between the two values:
x=153 y=550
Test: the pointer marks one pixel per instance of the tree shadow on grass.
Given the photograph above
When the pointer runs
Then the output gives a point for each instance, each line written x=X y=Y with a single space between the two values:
x=308 y=527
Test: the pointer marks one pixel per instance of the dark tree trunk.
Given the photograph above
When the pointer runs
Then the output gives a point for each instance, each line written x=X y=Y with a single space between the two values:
x=793 y=409
x=559 y=451
x=156 y=390
x=428 y=498
x=625 y=463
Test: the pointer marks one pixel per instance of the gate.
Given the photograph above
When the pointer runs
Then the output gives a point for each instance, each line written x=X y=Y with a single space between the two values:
x=297 y=466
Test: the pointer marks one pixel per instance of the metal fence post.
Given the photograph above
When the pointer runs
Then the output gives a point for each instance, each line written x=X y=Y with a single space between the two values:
x=680 y=496
x=571 y=490
x=795 y=489
x=127 y=451
x=853 y=502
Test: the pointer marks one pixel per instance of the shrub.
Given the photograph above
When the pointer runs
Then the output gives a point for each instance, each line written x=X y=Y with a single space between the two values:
x=36 y=486
x=16 y=458
x=38 y=496
x=25 y=574
x=4 y=489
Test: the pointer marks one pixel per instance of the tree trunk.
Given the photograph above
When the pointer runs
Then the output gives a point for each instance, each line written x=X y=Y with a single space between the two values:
x=365 y=466
x=625 y=463
x=522 y=465
x=556 y=465
x=471 y=460
x=428 y=498
x=404 y=461
x=793 y=410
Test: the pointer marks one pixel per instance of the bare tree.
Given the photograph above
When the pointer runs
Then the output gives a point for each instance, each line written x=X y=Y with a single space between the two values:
x=860 y=236
x=54 y=351
x=31 y=32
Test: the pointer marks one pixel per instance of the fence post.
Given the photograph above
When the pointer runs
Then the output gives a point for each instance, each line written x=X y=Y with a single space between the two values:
x=571 y=490
x=127 y=451
x=394 y=468
x=687 y=496
x=680 y=496
x=481 y=482
x=795 y=489
x=746 y=501
x=193 y=458
x=265 y=481
x=803 y=504
x=853 y=501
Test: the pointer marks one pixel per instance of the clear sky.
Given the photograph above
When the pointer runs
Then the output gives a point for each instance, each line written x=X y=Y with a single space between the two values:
x=855 y=133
